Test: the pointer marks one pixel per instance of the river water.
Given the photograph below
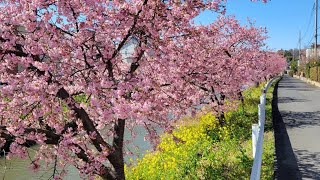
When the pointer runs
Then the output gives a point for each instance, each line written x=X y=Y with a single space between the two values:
x=18 y=169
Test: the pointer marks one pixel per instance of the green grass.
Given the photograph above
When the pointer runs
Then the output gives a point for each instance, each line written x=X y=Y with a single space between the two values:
x=200 y=148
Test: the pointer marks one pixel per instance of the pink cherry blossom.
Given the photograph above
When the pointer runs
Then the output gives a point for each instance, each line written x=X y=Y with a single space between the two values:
x=80 y=72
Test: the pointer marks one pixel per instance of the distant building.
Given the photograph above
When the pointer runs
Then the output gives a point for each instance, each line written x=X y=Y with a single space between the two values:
x=127 y=51
x=310 y=52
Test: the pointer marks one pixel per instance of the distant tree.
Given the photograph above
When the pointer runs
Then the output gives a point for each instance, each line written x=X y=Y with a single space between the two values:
x=294 y=66
x=288 y=55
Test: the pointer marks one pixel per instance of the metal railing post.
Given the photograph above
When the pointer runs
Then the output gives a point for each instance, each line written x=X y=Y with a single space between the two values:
x=262 y=99
x=257 y=135
x=261 y=114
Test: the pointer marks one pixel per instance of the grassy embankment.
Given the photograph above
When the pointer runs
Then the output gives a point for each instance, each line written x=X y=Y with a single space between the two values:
x=200 y=148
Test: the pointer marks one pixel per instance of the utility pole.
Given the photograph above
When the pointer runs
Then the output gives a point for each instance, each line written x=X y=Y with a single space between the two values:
x=316 y=38
x=316 y=31
x=299 y=60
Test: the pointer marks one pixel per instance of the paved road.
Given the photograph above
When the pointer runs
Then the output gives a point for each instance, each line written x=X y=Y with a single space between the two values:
x=297 y=130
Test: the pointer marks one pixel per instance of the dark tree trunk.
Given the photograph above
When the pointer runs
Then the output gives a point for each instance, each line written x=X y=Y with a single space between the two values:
x=241 y=100
x=221 y=117
x=116 y=157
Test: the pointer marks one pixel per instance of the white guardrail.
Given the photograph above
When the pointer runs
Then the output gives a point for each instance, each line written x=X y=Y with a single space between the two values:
x=257 y=134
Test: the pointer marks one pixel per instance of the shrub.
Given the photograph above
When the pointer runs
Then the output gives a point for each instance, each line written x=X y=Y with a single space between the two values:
x=294 y=66
x=313 y=73
x=307 y=70
x=291 y=73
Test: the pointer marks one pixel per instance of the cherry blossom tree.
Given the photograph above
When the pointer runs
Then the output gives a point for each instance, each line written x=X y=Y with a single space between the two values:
x=71 y=90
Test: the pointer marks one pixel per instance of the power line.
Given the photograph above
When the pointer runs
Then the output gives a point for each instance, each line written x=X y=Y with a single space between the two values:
x=309 y=43
x=312 y=37
x=310 y=20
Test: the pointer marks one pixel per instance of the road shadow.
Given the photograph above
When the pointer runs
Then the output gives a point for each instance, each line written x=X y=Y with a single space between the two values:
x=286 y=166
x=292 y=83
x=307 y=167
x=290 y=100
x=296 y=85
x=304 y=89
x=301 y=119
x=289 y=86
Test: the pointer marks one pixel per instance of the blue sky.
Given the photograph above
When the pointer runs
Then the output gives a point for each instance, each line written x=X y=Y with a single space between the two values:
x=282 y=18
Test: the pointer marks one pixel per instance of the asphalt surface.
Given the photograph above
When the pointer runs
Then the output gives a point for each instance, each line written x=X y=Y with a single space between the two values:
x=296 y=116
